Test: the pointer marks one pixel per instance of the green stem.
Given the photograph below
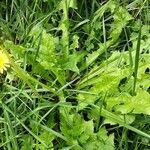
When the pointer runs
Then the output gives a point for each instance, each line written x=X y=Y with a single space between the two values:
x=65 y=36
x=137 y=61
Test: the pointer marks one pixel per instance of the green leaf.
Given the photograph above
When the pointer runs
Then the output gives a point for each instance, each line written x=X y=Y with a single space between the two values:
x=107 y=141
x=81 y=133
x=125 y=103
x=69 y=3
x=27 y=143
x=100 y=141
x=47 y=137
x=138 y=104
x=121 y=18
x=72 y=62
x=47 y=54
x=75 y=42
x=17 y=51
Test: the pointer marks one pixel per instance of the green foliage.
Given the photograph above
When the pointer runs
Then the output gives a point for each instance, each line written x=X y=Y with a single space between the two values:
x=27 y=143
x=80 y=133
x=47 y=138
x=125 y=103
x=79 y=76
x=115 y=84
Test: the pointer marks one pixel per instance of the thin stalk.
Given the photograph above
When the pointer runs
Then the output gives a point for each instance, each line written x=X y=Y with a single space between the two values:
x=137 y=55
x=23 y=125
x=10 y=130
x=104 y=37
x=7 y=136
x=130 y=52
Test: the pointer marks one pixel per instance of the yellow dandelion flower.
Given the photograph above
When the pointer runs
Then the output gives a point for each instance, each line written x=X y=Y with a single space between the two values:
x=4 y=61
